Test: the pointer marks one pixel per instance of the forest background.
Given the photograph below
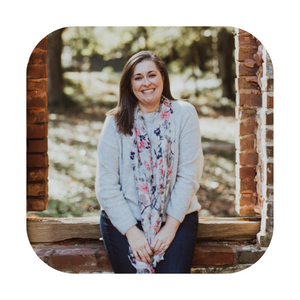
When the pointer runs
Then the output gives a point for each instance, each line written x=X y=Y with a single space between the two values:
x=84 y=70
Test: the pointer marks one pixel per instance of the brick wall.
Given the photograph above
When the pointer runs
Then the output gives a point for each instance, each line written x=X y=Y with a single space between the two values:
x=254 y=143
x=89 y=256
x=37 y=129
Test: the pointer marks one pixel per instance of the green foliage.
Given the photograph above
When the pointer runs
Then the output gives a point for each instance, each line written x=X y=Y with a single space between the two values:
x=182 y=46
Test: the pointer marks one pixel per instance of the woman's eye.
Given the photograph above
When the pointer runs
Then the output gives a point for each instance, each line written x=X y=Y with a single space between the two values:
x=137 y=78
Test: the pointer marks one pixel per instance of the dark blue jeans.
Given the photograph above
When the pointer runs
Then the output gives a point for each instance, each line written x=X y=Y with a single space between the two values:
x=177 y=259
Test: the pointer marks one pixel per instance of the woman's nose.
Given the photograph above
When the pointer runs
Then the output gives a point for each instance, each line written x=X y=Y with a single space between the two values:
x=146 y=81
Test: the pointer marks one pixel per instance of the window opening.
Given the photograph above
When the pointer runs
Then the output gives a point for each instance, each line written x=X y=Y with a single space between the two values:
x=91 y=66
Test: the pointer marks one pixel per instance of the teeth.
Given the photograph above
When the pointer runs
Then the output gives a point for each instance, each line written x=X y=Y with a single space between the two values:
x=148 y=91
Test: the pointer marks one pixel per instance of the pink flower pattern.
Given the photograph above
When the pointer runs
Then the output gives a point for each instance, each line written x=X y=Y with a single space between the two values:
x=152 y=167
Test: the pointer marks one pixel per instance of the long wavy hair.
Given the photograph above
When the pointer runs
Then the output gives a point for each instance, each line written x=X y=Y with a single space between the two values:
x=124 y=111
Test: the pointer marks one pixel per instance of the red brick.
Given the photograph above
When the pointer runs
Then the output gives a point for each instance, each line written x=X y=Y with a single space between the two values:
x=247 y=173
x=250 y=158
x=247 y=40
x=37 y=160
x=37 y=204
x=270 y=102
x=247 y=114
x=270 y=85
x=248 y=83
x=37 y=146
x=37 y=103
x=243 y=32
x=37 y=131
x=42 y=44
x=44 y=254
x=35 y=94
x=248 y=200
x=250 y=100
x=269 y=135
x=246 y=53
x=269 y=118
x=37 y=189
x=247 y=69
x=102 y=258
x=37 y=174
x=36 y=99
x=38 y=56
x=76 y=257
x=39 y=115
x=37 y=85
x=270 y=173
x=270 y=151
x=247 y=211
x=213 y=256
x=247 y=128
x=247 y=144
x=247 y=186
x=37 y=71
x=61 y=262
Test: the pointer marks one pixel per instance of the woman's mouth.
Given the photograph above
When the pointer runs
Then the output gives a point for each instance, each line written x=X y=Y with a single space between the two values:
x=149 y=91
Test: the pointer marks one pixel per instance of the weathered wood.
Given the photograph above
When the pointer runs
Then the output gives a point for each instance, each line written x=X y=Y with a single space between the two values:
x=229 y=229
x=46 y=230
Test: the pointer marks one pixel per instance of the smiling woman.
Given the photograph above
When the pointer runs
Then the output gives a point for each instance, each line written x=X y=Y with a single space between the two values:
x=147 y=85
x=150 y=163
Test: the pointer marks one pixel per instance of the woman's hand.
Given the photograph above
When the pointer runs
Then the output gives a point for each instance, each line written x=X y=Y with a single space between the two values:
x=139 y=244
x=165 y=236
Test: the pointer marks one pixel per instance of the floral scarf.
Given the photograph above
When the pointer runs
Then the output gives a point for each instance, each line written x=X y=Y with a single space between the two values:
x=152 y=163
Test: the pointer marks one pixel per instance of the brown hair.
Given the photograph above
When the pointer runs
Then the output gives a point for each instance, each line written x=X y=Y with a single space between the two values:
x=124 y=111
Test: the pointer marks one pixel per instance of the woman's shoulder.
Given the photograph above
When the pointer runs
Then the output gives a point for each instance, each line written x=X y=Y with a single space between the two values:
x=109 y=124
x=183 y=107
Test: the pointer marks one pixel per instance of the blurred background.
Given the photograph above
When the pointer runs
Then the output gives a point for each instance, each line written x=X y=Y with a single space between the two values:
x=84 y=70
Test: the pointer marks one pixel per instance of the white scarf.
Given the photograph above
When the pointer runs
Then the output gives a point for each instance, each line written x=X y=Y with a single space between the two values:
x=152 y=163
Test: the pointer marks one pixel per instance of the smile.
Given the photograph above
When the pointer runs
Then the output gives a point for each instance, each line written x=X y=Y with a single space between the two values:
x=148 y=91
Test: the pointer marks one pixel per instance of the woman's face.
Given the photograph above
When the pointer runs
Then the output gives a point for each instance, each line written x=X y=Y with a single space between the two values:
x=147 y=85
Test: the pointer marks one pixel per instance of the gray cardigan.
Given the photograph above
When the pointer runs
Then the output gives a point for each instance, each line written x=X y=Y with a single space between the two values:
x=115 y=187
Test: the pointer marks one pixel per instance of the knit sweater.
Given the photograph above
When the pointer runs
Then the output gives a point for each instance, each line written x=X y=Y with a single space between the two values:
x=115 y=186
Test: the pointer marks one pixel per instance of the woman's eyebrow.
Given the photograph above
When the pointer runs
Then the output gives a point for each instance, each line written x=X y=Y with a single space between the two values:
x=147 y=72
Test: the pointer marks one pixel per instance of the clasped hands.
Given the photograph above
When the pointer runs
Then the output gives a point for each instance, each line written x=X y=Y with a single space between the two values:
x=142 y=251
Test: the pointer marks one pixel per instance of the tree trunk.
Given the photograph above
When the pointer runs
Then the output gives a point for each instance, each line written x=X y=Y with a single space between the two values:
x=225 y=49
x=55 y=79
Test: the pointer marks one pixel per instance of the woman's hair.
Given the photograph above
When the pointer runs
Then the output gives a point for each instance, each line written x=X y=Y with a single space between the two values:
x=124 y=112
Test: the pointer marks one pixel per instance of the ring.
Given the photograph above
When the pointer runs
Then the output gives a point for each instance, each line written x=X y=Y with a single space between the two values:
x=165 y=247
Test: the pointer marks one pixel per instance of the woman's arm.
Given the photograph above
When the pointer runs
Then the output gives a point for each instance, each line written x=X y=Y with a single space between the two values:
x=108 y=188
x=110 y=194
x=190 y=166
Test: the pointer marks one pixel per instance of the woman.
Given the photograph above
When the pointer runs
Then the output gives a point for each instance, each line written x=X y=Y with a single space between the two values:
x=150 y=163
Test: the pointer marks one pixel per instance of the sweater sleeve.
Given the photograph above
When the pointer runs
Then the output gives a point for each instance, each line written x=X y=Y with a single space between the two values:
x=190 y=166
x=108 y=188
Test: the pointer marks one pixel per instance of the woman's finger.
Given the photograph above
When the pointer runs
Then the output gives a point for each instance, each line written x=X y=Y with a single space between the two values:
x=145 y=256
x=136 y=255
x=148 y=249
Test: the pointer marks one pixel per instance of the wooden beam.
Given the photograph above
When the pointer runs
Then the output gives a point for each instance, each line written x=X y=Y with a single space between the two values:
x=229 y=229
x=47 y=230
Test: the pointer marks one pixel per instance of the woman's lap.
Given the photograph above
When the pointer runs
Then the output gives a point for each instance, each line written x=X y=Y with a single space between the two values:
x=177 y=258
